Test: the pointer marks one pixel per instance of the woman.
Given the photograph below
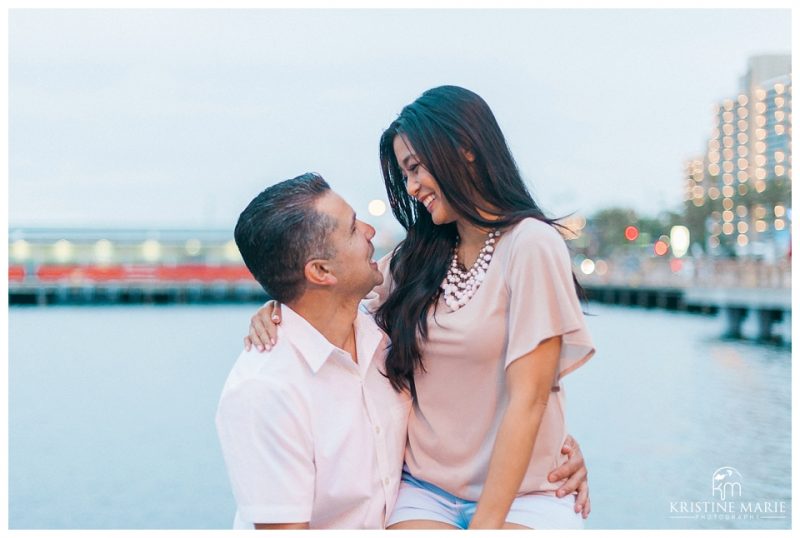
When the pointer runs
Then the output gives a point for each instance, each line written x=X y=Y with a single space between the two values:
x=480 y=345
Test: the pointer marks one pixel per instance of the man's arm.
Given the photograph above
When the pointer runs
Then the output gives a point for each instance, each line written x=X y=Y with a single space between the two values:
x=266 y=442
x=576 y=473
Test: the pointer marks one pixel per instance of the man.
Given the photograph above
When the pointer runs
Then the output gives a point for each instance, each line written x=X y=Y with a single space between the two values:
x=312 y=433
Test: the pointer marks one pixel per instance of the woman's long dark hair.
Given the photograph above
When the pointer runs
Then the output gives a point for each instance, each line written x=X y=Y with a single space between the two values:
x=441 y=125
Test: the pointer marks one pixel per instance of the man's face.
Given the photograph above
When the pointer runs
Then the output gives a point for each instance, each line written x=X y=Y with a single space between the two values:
x=352 y=265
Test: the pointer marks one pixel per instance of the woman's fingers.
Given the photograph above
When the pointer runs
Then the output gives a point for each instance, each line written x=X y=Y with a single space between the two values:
x=270 y=318
x=259 y=334
x=263 y=331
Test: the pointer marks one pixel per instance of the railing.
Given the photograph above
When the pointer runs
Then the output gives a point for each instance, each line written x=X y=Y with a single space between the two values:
x=693 y=273
x=630 y=272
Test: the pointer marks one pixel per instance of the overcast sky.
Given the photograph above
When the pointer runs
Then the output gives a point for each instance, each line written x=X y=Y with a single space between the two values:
x=178 y=118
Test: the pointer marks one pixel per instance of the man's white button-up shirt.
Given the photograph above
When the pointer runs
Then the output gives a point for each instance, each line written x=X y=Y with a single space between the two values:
x=309 y=435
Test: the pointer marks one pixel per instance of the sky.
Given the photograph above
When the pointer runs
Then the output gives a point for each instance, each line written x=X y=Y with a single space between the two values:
x=178 y=118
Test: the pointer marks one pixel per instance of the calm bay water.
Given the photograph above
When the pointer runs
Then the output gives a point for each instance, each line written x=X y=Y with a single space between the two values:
x=111 y=418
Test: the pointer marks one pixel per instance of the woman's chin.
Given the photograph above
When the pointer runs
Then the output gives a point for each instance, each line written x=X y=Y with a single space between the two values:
x=440 y=220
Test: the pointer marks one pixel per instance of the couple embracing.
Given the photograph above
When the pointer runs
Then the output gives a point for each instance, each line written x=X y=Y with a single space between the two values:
x=422 y=390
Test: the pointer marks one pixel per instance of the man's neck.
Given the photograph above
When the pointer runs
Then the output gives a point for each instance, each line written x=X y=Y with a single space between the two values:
x=333 y=318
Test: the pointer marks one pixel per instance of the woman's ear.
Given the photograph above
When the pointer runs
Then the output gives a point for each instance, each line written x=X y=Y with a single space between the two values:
x=469 y=155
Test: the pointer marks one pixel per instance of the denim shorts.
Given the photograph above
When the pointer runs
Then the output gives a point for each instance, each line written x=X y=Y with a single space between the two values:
x=418 y=499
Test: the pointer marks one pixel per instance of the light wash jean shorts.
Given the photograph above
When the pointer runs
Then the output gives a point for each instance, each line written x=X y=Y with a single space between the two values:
x=418 y=499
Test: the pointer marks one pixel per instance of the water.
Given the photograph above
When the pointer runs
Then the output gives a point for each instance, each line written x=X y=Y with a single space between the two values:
x=111 y=417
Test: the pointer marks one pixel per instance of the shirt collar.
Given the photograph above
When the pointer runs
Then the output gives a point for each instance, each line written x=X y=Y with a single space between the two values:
x=315 y=349
x=368 y=338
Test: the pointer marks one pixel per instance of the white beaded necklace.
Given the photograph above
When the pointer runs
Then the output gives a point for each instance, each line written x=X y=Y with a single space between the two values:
x=460 y=285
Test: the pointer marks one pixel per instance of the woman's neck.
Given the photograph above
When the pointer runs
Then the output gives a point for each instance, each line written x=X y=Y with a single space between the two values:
x=471 y=236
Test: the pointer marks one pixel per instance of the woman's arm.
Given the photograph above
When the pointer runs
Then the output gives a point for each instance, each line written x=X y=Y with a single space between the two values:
x=529 y=380
x=264 y=327
x=263 y=332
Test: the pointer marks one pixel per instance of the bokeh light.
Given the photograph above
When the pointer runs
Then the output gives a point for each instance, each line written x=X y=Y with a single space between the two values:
x=62 y=251
x=103 y=251
x=193 y=247
x=151 y=250
x=20 y=250
x=377 y=208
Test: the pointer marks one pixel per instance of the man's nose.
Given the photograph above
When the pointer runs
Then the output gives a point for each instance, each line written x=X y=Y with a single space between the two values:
x=369 y=231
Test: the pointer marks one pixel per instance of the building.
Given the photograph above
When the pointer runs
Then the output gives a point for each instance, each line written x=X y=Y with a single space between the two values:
x=743 y=181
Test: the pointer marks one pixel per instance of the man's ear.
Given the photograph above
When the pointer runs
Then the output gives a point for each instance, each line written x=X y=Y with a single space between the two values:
x=318 y=272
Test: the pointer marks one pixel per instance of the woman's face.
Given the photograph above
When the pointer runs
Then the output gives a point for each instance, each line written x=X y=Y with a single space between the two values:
x=420 y=183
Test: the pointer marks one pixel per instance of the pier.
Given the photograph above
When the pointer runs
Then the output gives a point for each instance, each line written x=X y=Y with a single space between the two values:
x=746 y=294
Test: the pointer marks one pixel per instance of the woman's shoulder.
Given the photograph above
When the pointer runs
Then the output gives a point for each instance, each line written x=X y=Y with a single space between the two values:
x=532 y=231
x=536 y=245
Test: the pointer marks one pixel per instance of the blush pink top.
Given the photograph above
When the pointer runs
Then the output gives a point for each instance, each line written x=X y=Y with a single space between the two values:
x=527 y=296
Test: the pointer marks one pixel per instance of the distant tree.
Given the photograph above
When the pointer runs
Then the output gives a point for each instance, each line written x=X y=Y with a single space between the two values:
x=607 y=229
x=696 y=219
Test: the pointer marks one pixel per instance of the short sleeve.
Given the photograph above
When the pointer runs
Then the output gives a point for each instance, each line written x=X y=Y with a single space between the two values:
x=542 y=298
x=266 y=440
x=373 y=301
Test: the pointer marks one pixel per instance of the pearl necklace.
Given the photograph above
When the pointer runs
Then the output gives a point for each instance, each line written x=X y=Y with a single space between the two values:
x=461 y=284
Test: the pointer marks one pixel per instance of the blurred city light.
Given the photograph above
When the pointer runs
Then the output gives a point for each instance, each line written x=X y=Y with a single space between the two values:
x=601 y=267
x=631 y=233
x=62 y=251
x=20 y=249
x=660 y=248
x=103 y=251
x=377 y=208
x=232 y=251
x=193 y=247
x=151 y=250
x=679 y=240
x=587 y=267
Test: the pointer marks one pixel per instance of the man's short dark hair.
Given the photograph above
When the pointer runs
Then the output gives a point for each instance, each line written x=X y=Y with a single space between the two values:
x=281 y=230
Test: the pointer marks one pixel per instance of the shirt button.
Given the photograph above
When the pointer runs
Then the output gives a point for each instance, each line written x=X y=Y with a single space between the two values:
x=378 y=429
x=386 y=480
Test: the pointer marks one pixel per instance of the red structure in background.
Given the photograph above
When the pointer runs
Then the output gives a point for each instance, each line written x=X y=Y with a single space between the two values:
x=16 y=273
x=133 y=273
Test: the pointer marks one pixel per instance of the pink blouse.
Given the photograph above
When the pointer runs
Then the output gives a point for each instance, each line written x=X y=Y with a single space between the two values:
x=526 y=297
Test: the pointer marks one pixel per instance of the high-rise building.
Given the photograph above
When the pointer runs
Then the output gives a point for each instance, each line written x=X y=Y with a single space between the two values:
x=744 y=179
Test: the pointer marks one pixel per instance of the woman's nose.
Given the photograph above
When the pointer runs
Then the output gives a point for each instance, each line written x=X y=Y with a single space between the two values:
x=412 y=186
